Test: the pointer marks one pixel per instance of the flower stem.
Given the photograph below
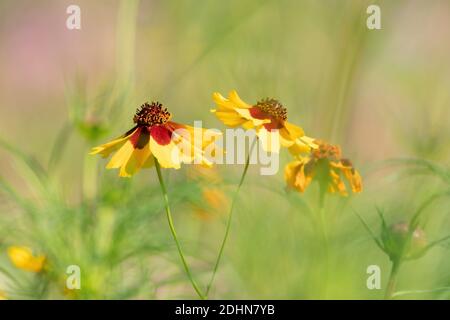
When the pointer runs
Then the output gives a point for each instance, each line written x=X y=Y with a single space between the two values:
x=227 y=230
x=325 y=241
x=392 y=280
x=172 y=229
x=89 y=178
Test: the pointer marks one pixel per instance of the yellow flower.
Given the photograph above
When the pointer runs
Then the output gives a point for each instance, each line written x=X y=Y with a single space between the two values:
x=326 y=165
x=267 y=117
x=155 y=136
x=3 y=296
x=23 y=258
x=214 y=202
x=205 y=175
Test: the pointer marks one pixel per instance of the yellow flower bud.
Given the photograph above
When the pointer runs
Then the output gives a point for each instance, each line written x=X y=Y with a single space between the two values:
x=23 y=258
x=398 y=244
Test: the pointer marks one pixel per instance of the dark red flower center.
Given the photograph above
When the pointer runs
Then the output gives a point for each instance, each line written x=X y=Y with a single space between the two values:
x=151 y=114
x=327 y=151
x=270 y=109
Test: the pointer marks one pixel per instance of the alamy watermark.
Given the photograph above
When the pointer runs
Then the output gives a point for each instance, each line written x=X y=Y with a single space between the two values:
x=373 y=21
x=73 y=281
x=374 y=279
x=235 y=146
x=73 y=21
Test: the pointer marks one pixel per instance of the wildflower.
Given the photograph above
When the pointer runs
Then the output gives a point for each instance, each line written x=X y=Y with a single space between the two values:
x=399 y=243
x=23 y=258
x=157 y=141
x=403 y=241
x=327 y=166
x=212 y=200
x=155 y=136
x=268 y=117
x=204 y=175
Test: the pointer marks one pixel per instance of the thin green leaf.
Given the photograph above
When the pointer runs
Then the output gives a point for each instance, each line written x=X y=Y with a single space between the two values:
x=408 y=292
x=29 y=161
x=372 y=234
x=58 y=147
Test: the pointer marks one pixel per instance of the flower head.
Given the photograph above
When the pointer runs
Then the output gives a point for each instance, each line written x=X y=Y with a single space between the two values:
x=23 y=258
x=327 y=166
x=398 y=243
x=268 y=117
x=155 y=136
x=213 y=200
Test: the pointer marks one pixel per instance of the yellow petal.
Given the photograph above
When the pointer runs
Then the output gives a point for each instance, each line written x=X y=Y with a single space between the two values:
x=269 y=140
x=234 y=97
x=234 y=112
x=294 y=131
x=222 y=101
x=311 y=142
x=120 y=158
x=136 y=161
x=207 y=137
x=106 y=149
x=353 y=178
x=230 y=119
x=337 y=183
x=302 y=145
x=150 y=162
x=249 y=124
x=245 y=113
x=290 y=171
x=23 y=258
x=285 y=138
x=301 y=180
x=168 y=155
x=356 y=182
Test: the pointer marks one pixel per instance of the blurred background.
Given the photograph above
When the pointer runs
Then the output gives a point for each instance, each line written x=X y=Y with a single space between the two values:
x=382 y=95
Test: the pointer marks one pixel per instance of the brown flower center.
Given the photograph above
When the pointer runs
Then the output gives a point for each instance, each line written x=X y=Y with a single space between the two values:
x=273 y=107
x=151 y=114
x=327 y=151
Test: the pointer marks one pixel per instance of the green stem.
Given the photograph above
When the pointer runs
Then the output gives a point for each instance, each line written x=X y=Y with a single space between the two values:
x=392 y=280
x=172 y=229
x=227 y=230
x=325 y=241
x=89 y=178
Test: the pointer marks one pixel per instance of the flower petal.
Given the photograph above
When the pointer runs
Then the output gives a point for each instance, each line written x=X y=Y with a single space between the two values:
x=23 y=258
x=302 y=180
x=136 y=161
x=193 y=142
x=221 y=101
x=234 y=97
x=290 y=172
x=234 y=112
x=294 y=131
x=161 y=135
x=247 y=115
x=269 y=140
x=121 y=157
x=302 y=145
x=167 y=155
x=106 y=149
x=230 y=118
